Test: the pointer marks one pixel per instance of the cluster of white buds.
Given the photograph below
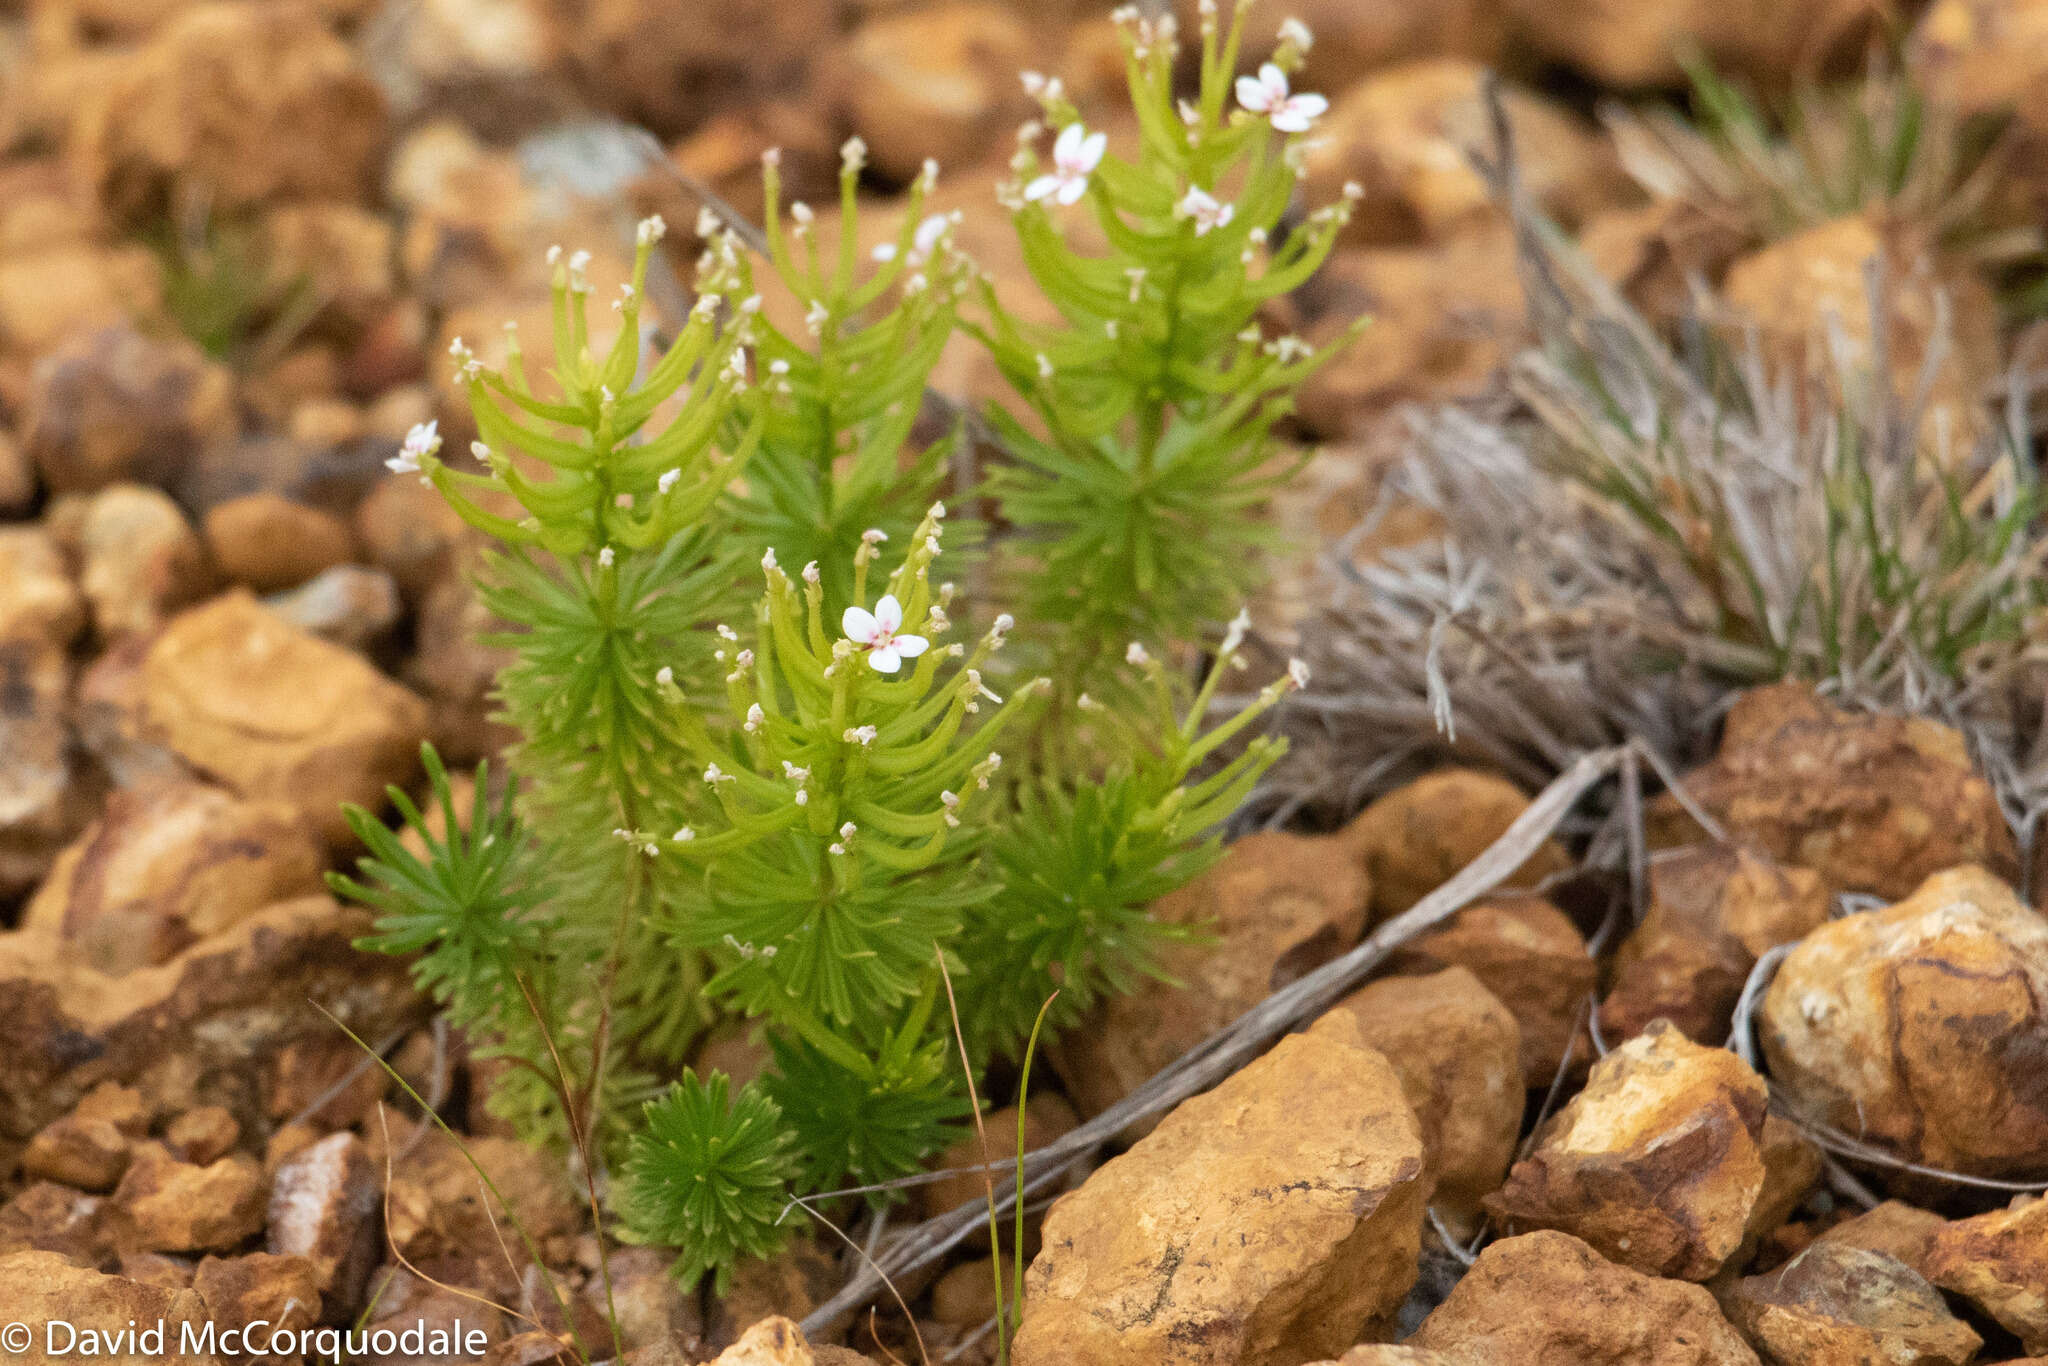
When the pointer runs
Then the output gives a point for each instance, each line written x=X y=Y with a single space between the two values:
x=1136 y=655
x=467 y=366
x=853 y=155
x=815 y=318
x=651 y=229
x=950 y=801
x=715 y=775
x=859 y=735
x=749 y=951
x=756 y=718
x=640 y=840
x=1289 y=348
x=741 y=664
x=605 y=556
x=983 y=771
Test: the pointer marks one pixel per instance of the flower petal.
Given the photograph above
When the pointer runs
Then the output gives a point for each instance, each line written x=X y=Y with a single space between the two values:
x=1044 y=188
x=859 y=624
x=1071 y=189
x=886 y=660
x=1275 y=82
x=1091 y=151
x=889 y=613
x=910 y=647
x=1068 y=144
x=1252 y=95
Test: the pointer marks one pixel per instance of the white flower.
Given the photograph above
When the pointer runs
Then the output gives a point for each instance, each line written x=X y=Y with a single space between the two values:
x=651 y=230
x=1297 y=673
x=421 y=443
x=668 y=480
x=1136 y=654
x=859 y=735
x=684 y=835
x=755 y=719
x=1075 y=155
x=714 y=774
x=1267 y=93
x=606 y=556
x=877 y=632
x=1204 y=209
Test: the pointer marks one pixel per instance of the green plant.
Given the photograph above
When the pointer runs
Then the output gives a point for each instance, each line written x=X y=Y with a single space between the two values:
x=782 y=801
x=1157 y=391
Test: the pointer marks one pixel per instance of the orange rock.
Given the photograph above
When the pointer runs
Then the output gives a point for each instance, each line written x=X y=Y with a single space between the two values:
x=1870 y=802
x=115 y=405
x=1999 y=1262
x=270 y=543
x=1657 y=1163
x=1404 y=134
x=1446 y=318
x=141 y=559
x=1533 y=959
x=1808 y=294
x=1275 y=1219
x=164 y=1205
x=1916 y=1026
x=38 y=600
x=1895 y=1228
x=254 y=101
x=278 y=714
x=1981 y=56
x=1278 y=904
x=1459 y=1056
x=199 y=1021
x=1547 y=1299
x=89 y=1148
x=1417 y=836
x=38 y=1287
x=1639 y=42
x=1713 y=910
x=1835 y=1304
x=939 y=82
x=170 y=863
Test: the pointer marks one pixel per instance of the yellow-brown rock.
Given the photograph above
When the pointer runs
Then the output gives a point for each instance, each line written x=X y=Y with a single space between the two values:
x=938 y=82
x=170 y=863
x=39 y=1287
x=1981 y=56
x=1414 y=838
x=253 y=101
x=1872 y=803
x=324 y=1204
x=280 y=1292
x=1999 y=1262
x=1920 y=1026
x=1836 y=1305
x=278 y=714
x=1809 y=293
x=89 y=1148
x=1641 y=42
x=1458 y=1053
x=1403 y=135
x=39 y=602
x=1898 y=1230
x=1279 y=905
x=1274 y=1220
x=164 y=1205
x=192 y=1030
x=1657 y=1163
x=47 y=792
x=1714 y=909
x=771 y=1342
x=1534 y=960
x=115 y=405
x=1547 y=1299
x=1445 y=319
x=269 y=542
x=139 y=558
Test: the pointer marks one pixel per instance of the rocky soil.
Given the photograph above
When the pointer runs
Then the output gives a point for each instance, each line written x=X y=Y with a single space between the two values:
x=237 y=236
